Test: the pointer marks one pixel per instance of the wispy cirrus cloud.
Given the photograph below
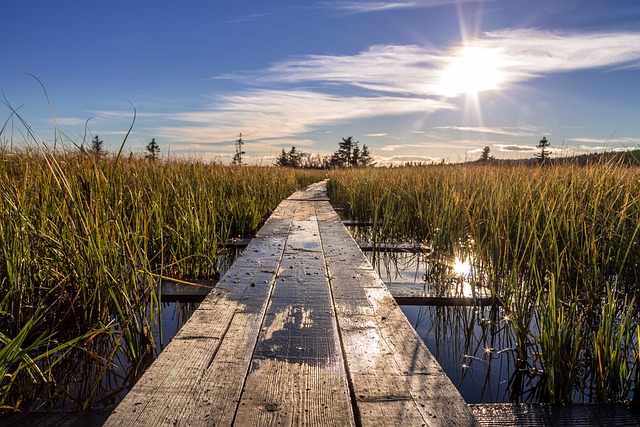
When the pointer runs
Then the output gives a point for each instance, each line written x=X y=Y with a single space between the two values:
x=383 y=68
x=515 y=148
x=508 y=131
x=67 y=121
x=285 y=113
x=529 y=52
x=432 y=143
x=246 y=18
x=382 y=6
x=623 y=141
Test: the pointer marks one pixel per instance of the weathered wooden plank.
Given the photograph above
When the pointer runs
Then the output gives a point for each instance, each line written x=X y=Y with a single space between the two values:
x=394 y=377
x=313 y=192
x=215 y=402
x=241 y=243
x=93 y=418
x=297 y=375
x=173 y=385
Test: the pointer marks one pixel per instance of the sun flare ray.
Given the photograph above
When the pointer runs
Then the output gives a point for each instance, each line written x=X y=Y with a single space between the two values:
x=473 y=69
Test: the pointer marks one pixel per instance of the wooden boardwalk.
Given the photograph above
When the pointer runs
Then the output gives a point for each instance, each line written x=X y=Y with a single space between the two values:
x=300 y=331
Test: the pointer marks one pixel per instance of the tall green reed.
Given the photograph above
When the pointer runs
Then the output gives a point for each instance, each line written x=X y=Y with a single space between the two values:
x=550 y=241
x=82 y=243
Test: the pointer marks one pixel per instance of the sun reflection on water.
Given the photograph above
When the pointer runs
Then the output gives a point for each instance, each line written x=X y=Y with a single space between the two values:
x=462 y=268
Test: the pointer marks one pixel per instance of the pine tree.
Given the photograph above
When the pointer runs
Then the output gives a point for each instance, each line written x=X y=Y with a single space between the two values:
x=343 y=157
x=543 y=155
x=283 y=159
x=349 y=154
x=485 y=157
x=237 y=157
x=293 y=158
x=153 y=150
x=355 y=155
x=365 y=157
x=96 y=146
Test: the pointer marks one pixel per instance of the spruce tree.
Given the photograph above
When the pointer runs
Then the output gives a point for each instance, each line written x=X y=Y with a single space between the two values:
x=153 y=150
x=543 y=155
x=96 y=146
x=365 y=158
x=485 y=157
x=237 y=157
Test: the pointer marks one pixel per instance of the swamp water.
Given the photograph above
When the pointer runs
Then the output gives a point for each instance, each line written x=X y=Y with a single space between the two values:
x=477 y=345
x=96 y=378
x=104 y=388
x=472 y=344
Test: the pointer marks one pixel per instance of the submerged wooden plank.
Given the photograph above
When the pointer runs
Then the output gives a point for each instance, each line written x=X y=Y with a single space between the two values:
x=182 y=292
x=406 y=293
x=575 y=415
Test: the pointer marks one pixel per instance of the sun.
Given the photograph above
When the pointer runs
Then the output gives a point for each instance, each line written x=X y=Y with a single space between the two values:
x=471 y=70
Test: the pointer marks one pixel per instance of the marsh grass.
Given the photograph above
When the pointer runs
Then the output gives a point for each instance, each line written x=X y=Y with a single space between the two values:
x=83 y=240
x=558 y=246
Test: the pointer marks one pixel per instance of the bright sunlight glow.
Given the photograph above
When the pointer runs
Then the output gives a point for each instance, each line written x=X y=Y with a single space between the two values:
x=472 y=70
x=461 y=268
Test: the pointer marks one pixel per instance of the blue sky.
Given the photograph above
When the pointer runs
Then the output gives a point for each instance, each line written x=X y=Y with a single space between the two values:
x=420 y=80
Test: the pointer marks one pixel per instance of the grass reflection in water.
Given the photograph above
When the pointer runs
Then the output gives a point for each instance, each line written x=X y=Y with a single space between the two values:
x=479 y=347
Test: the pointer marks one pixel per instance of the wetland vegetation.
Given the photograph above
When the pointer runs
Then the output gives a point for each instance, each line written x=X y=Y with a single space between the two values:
x=84 y=240
x=557 y=246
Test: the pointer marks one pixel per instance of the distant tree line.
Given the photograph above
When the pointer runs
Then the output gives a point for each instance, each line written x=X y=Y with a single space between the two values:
x=347 y=155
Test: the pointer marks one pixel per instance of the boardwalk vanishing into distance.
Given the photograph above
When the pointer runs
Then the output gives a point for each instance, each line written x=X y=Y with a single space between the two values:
x=300 y=331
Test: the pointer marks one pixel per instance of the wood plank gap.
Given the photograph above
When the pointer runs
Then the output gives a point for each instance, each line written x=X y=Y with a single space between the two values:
x=264 y=316
x=352 y=392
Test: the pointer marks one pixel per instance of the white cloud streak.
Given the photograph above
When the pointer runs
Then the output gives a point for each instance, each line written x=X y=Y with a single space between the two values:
x=67 y=121
x=624 y=141
x=508 y=131
x=246 y=18
x=511 y=148
x=381 y=6
x=394 y=69
x=530 y=52
x=281 y=113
